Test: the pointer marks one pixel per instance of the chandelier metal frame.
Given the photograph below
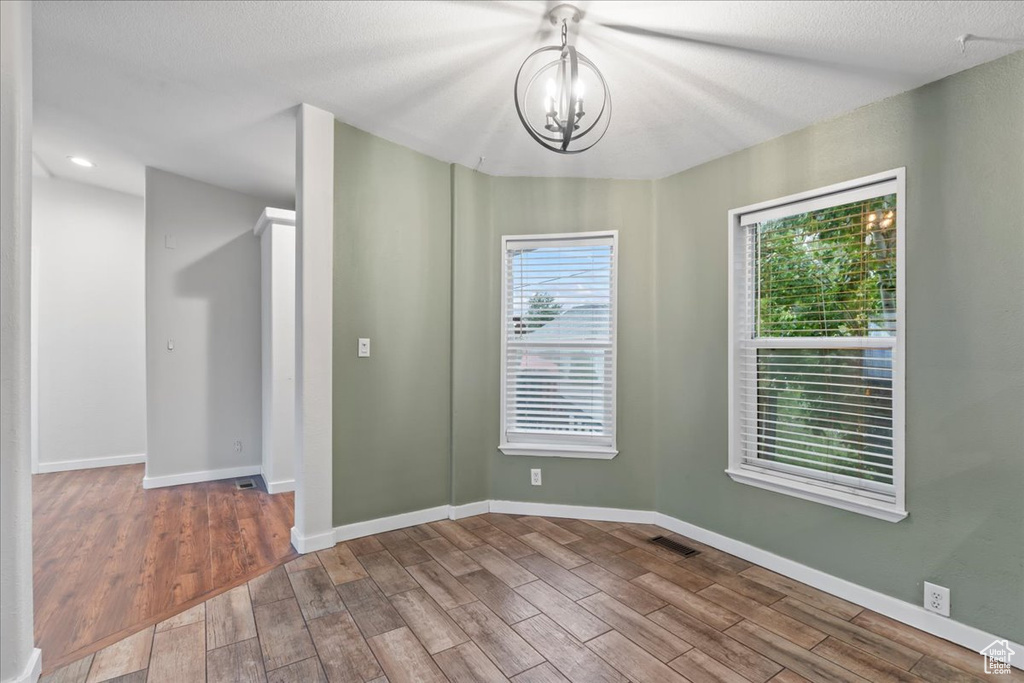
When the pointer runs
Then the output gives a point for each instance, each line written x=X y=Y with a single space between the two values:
x=558 y=138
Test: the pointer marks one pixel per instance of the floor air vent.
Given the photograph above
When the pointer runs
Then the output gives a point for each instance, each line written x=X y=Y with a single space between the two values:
x=244 y=484
x=684 y=550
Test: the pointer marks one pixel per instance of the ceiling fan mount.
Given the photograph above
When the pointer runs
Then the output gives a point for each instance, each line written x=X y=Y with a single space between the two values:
x=564 y=12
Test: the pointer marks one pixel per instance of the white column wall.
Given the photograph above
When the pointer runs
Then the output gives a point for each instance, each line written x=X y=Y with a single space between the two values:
x=314 y=201
x=276 y=232
x=19 y=659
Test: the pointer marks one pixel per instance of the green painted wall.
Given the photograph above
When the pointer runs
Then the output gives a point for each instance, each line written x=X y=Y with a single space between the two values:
x=475 y=336
x=962 y=142
x=417 y=268
x=521 y=206
x=392 y=283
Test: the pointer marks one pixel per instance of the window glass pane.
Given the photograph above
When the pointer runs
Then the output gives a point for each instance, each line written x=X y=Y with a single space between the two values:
x=559 y=330
x=817 y=398
x=561 y=293
x=827 y=273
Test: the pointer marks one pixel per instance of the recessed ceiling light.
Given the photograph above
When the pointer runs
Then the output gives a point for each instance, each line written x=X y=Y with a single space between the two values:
x=81 y=161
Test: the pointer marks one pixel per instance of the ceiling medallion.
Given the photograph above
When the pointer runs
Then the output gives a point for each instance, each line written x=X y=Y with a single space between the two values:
x=549 y=93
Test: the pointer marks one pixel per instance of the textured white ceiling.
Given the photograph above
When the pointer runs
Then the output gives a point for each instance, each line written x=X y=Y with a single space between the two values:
x=208 y=89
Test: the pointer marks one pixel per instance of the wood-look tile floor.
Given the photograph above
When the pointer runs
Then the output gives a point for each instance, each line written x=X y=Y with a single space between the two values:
x=110 y=557
x=531 y=600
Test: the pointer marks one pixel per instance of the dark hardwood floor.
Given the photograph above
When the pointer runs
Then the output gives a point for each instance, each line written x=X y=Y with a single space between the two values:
x=110 y=557
x=498 y=598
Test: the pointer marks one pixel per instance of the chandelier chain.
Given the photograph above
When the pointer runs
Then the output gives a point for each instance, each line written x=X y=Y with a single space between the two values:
x=565 y=32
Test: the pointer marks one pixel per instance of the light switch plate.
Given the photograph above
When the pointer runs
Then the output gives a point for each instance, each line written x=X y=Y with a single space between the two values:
x=364 y=347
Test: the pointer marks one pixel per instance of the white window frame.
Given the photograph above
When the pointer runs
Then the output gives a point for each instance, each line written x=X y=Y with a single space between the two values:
x=564 y=447
x=793 y=482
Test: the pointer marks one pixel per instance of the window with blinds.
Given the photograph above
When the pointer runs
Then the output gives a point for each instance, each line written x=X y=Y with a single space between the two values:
x=816 y=357
x=558 y=345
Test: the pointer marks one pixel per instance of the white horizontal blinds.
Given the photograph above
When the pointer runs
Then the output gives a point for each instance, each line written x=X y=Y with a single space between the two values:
x=559 y=336
x=826 y=411
x=816 y=361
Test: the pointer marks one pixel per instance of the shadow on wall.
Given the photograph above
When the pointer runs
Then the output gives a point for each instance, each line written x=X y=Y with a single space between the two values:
x=232 y=348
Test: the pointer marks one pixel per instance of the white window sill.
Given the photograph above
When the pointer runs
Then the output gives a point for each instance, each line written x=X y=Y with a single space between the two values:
x=808 y=490
x=559 y=451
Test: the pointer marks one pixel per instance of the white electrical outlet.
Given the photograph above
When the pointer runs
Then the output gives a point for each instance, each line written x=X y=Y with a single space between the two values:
x=535 y=477
x=238 y=447
x=364 y=348
x=936 y=599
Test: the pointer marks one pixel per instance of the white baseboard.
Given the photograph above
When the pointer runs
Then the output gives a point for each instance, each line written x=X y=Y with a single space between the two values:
x=149 y=482
x=382 y=524
x=512 y=507
x=91 y=463
x=310 y=544
x=33 y=668
x=469 y=509
x=283 y=486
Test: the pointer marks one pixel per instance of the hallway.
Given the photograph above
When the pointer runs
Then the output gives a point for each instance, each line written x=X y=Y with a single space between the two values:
x=111 y=558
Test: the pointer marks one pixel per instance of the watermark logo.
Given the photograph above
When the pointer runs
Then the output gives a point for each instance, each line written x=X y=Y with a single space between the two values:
x=997 y=657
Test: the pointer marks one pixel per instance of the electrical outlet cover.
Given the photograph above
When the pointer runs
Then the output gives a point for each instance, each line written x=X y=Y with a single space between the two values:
x=936 y=598
x=535 y=477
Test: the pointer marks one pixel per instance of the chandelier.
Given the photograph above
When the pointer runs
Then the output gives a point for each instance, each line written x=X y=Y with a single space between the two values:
x=550 y=89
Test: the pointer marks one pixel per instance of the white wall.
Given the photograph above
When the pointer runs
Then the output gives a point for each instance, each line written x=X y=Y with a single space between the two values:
x=202 y=292
x=314 y=339
x=19 y=661
x=90 y=250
